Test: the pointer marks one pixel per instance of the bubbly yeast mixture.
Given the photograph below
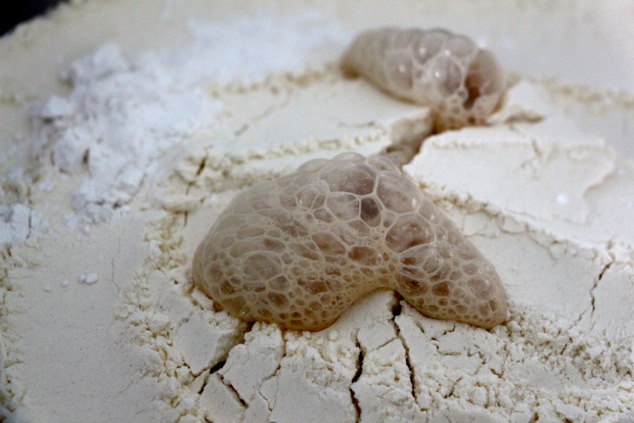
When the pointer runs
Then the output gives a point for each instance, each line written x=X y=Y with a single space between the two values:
x=299 y=250
x=461 y=83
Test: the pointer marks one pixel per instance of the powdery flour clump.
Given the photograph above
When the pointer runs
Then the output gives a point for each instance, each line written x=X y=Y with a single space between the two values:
x=125 y=110
x=299 y=250
x=19 y=223
x=461 y=83
x=112 y=128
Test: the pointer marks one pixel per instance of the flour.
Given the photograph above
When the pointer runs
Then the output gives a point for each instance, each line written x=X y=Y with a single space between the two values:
x=101 y=323
x=88 y=278
x=113 y=126
x=123 y=113
x=250 y=47
x=19 y=223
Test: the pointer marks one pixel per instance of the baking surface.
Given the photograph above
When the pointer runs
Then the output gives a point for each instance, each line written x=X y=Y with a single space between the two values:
x=127 y=127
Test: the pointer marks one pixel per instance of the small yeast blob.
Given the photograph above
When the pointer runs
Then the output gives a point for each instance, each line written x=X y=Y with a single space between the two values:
x=460 y=83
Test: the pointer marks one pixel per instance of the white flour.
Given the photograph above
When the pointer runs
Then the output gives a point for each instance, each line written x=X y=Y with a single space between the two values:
x=103 y=324
x=123 y=113
x=19 y=223
x=248 y=47
x=116 y=122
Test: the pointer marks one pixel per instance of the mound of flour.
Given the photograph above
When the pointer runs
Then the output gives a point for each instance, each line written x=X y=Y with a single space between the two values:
x=123 y=113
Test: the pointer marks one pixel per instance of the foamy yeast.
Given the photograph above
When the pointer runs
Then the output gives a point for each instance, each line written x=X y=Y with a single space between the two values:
x=299 y=250
x=461 y=83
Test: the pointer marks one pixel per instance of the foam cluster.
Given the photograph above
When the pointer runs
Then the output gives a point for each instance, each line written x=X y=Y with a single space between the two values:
x=461 y=83
x=299 y=250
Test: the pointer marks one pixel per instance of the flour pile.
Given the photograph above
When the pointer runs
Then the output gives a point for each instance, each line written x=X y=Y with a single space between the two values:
x=123 y=114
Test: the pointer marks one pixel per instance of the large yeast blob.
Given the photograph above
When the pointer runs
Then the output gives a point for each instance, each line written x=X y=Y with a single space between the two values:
x=299 y=250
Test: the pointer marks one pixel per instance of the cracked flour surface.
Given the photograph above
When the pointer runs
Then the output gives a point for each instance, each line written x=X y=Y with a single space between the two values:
x=100 y=320
x=565 y=353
